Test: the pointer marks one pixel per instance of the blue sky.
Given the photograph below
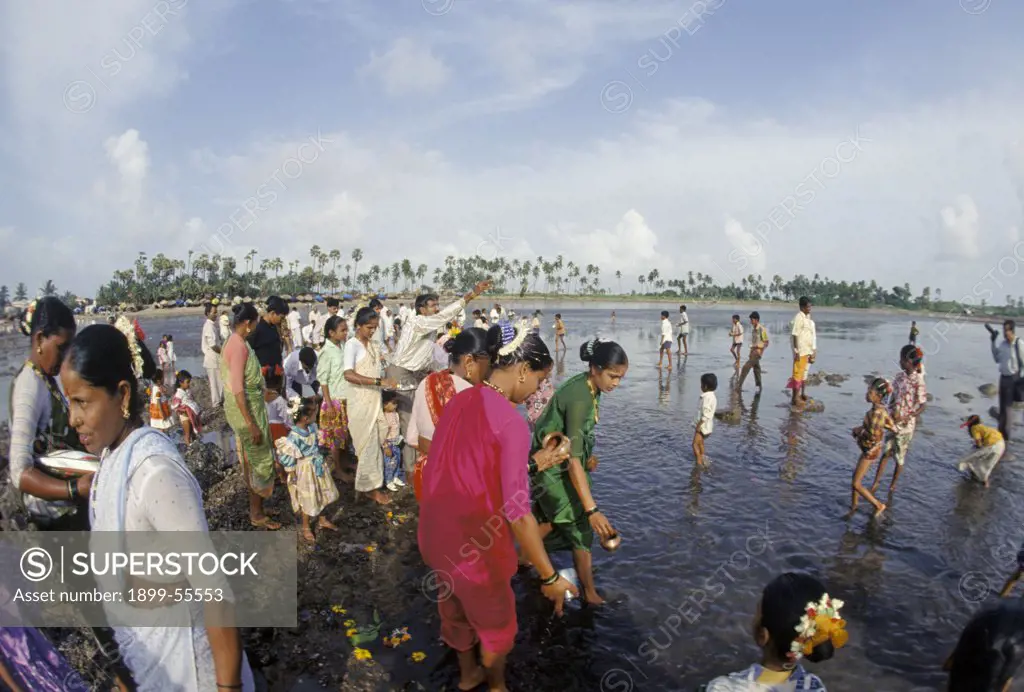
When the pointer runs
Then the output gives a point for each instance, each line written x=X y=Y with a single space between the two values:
x=626 y=133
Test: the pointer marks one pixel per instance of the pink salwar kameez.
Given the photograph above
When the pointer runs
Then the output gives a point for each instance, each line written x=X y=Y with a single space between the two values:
x=475 y=484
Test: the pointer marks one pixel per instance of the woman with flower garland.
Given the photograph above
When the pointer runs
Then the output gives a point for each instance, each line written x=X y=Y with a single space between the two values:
x=907 y=403
x=795 y=619
x=39 y=421
x=476 y=492
x=563 y=503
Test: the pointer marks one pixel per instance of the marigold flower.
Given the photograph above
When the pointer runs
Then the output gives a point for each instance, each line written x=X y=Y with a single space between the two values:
x=350 y=623
x=418 y=656
x=362 y=654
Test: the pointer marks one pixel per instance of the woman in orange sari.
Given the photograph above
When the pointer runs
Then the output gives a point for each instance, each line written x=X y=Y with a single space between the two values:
x=468 y=365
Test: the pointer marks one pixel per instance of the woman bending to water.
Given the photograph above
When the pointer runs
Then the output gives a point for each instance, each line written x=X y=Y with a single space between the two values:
x=476 y=498
x=563 y=503
x=144 y=485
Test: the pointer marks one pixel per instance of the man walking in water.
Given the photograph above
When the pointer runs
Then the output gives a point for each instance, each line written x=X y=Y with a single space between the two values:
x=805 y=348
x=758 y=343
x=413 y=357
x=683 y=321
x=914 y=331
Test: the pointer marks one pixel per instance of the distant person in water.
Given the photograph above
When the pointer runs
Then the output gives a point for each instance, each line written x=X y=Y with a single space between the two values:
x=684 y=331
x=988 y=450
x=666 y=339
x=613 y=317
x=914 y=331
x=736 y=332
x=805 y=348
x=559 y=332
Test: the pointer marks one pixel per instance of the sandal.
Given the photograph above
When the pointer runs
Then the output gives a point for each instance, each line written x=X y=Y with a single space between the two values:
x=324 y=524
x=265 y=523
x=307 y=535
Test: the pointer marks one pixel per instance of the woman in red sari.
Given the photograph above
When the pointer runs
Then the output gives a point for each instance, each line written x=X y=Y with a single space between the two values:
x=469 y=365
x=476 y=500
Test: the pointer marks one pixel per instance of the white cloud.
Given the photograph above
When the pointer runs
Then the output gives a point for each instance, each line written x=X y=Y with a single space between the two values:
x=749 y=251
x=960 y=229
x=408 y=67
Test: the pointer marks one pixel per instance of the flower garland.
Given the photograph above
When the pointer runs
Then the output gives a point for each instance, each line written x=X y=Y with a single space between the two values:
x=128 y=329
x=512 y=337
x=819 y=623
x=26 y=318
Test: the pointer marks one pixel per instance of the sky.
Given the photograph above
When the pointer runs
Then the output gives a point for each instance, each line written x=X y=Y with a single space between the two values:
x=856 y=139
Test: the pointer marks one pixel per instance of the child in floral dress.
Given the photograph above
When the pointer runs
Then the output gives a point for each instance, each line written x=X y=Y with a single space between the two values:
x=310 y=484
x=186 y=408
x=907 y=403
x=160 y=415
x=869 y=438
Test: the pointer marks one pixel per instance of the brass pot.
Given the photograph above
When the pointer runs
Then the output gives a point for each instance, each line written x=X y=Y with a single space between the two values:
x=557 y=442
x=612 y=543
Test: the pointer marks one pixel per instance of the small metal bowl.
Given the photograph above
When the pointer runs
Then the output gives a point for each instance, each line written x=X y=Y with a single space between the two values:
x=612 y=543
x=557 y=442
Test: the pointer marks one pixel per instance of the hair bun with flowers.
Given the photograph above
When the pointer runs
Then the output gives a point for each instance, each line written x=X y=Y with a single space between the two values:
x=25 y=321
x=512 y=337
x=128 y=329
x=819 y=623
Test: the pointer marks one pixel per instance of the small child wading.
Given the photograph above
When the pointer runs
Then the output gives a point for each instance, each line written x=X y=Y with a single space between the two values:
x=389 y=431
x=309 y=482
x=989 y=445
x=705 y=420
x=736 y=332
x=559 y=332
x=869 y=438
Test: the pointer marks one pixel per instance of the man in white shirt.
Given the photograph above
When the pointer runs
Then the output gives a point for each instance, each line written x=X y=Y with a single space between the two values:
x=684 y=330
x=211 y=345
x=299 y=371
x=805 y=349
x=478 y=320
x=412 y=359
x=666 y=339
x=1009 y=354
x=495 y=314
x=403 y=312
x=295 y=328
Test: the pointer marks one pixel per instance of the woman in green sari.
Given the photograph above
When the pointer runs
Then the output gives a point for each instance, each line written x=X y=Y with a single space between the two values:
x=246 y=412
x=563 y=503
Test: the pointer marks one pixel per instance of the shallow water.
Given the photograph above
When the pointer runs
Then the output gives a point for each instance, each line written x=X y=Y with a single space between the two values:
x=697 y=550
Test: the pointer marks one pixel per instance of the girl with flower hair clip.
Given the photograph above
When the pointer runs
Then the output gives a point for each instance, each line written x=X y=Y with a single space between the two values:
x=869 y=438
x=796 y=619
x=310 y=484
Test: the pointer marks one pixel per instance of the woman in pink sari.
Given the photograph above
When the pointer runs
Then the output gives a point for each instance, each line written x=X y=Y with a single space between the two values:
x=476 y=500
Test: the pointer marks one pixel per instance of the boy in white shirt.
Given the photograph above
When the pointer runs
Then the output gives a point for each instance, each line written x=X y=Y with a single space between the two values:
x=666 y=339
x=736 y=332
x=705 y=420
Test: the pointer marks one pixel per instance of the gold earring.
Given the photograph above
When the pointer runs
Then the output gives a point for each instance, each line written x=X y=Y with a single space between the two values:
x=125 y=412
x=39 y=350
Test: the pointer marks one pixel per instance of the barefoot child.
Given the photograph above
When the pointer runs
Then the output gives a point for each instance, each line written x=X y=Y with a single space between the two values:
x=736 y=332
x=684 y=331
x=869 y=438
x=906 y=404
x=391 y=441
x=278 y=416
x=309 y=483
x=666 y=339
x=160 y=415
x=705 y=420
x=185 y=406
x=559 y=331
x=989 y=448
x=795 y=619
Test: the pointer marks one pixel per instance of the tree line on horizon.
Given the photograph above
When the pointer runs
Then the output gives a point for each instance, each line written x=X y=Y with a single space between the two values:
x=199 y=276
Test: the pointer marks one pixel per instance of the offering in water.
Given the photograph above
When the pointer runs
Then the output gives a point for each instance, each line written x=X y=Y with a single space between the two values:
x=612 y=543
x=69 y=464
x=569 y=574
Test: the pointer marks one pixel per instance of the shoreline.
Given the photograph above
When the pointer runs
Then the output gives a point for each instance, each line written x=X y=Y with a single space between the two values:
x=612 y=302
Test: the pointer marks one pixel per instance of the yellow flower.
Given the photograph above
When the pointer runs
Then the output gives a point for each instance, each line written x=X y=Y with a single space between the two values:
x=350 y=623
x=362 y=654
x=351 y=632
x=406 y=637
x=370 y=548
x=418 y=656
x=390 y=514
x=338 y=609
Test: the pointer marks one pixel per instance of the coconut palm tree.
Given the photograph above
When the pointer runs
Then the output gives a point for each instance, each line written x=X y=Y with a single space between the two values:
x=357 y=257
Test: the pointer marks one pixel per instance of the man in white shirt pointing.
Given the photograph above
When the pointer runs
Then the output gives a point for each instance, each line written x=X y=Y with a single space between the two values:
x=413 y=356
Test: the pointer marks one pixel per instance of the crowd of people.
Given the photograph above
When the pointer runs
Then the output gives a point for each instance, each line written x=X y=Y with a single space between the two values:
x=380 y=401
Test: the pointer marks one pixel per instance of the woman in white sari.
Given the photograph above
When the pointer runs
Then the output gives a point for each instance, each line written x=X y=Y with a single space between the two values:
x=144 y=485
x=362 y=372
